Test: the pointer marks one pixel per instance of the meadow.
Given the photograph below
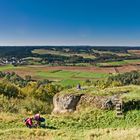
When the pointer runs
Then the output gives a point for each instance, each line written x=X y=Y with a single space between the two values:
x=87 y=125
x=63 y=77
x=71 y=78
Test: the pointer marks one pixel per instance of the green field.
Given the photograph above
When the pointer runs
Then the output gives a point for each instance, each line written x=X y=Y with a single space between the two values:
x=11 y=67
x=118 y=63
x=71 y=78
x=72 y=74
x=63 y=77
x=7 y=67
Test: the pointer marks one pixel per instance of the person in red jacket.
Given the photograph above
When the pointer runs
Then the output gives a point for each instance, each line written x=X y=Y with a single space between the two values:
x=29 y=122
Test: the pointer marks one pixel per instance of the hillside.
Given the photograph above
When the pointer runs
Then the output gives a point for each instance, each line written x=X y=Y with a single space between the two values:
x=23 y=97
x=49 y=87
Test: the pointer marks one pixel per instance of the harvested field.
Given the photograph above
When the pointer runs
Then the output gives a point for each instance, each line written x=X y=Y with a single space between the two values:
x=68 y=75
x=136 y=52
x=127 y=68
x=32 y=70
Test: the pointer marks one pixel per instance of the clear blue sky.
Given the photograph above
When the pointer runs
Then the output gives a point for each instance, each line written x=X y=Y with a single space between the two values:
x=70 y=22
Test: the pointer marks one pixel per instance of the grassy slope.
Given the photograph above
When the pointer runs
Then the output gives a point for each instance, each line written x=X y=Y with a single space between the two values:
x=128 y=92
x=86 y=123
x=91 y=124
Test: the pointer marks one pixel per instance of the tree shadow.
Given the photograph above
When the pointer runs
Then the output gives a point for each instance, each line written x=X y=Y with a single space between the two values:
x=51 y=127
x=131 y=105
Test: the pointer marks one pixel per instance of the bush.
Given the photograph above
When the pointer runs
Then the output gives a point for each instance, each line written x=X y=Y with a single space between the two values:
x=27 y=105
x=9 y=105
x=119 y=80
x=126 y=78
x=9 y=90
x=33 y=106
x=32 y=98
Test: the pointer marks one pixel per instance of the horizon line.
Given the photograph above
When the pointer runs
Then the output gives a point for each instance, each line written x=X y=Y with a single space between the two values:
x=69 y=46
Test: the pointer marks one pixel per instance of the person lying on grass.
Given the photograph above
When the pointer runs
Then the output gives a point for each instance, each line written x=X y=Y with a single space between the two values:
x=29 y=122
x=35 y=121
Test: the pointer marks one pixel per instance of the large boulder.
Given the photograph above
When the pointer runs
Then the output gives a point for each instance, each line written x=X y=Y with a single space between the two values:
x=65 y=103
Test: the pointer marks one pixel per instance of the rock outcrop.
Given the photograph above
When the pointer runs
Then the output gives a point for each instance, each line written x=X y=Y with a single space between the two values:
x=65 y=103
x=70 y=102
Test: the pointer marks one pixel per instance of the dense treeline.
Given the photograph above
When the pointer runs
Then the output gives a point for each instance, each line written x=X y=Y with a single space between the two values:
x=24 y=52
x=18 y=52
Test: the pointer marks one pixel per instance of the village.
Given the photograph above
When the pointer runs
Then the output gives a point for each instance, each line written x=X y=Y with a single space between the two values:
x=12 y=61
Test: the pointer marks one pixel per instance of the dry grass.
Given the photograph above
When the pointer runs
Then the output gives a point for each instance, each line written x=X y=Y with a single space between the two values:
x=7 y=117
x=136 y=52
x=94 y=134
x=114 y=134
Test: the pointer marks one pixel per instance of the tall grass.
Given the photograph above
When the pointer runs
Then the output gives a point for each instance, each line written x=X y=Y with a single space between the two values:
x=90 y=124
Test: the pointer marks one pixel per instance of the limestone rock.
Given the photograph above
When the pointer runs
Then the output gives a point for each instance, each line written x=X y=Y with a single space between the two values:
x=65 y=103
x=70 y=102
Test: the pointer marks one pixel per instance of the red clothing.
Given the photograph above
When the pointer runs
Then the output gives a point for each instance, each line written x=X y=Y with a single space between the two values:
x=29 y=122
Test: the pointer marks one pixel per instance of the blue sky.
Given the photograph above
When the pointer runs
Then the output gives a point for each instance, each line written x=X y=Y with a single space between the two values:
x=70 y=22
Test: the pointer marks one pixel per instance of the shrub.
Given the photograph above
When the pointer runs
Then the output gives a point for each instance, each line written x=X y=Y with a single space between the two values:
x=119 y=80
x=10 y=90
x=9 y=105
x=33 y=106
x=126 y=78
